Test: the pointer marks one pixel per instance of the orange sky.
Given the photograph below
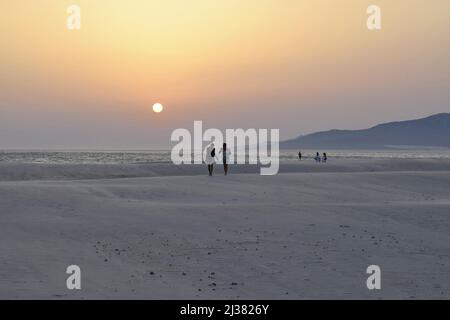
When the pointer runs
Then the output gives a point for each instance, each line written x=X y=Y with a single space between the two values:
x=296 y=65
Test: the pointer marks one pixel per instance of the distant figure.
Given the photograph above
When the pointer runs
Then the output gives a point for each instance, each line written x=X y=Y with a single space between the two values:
x=317 y=157
x=299 y=156
x=324 y=158
x=225 y=157
x=210 y=158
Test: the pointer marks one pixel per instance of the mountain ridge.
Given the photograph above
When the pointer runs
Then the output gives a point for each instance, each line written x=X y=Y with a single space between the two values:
x=431 y=131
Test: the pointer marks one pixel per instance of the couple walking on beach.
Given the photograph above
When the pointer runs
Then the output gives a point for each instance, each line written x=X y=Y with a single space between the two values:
x=211 y=156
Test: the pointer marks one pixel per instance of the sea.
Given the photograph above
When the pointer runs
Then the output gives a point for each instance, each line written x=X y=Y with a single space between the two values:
x=164 y=156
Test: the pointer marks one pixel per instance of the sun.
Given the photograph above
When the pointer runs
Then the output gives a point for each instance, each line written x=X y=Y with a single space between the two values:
x=158 y=107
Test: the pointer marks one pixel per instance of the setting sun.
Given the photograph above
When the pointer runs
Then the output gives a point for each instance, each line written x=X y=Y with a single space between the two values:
x=158 y=107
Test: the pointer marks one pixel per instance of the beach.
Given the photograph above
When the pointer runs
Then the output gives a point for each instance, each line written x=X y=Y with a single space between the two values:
x=158 y=231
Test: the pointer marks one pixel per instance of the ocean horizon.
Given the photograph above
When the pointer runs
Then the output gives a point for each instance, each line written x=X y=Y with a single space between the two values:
x=164 y=156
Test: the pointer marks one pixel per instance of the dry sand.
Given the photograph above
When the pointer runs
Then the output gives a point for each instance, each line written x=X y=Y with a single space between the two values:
x=161 y=232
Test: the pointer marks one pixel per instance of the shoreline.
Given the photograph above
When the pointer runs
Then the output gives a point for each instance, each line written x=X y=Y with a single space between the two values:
x=30 y=172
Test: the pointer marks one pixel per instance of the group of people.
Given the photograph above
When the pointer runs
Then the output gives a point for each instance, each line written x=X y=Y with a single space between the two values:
x=317 y=158
x=211 y=156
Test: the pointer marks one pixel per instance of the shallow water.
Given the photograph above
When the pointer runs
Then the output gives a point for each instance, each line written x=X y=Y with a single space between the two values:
x=163 y=156
x=371 y=154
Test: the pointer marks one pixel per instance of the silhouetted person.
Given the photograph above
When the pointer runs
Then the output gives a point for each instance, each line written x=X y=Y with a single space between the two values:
x=317 y=158
x=225 y=157
x=210 y=158
x=299 y=156
x=324 y=158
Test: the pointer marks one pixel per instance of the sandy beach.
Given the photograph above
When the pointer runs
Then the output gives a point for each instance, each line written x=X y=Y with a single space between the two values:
x=158 y=231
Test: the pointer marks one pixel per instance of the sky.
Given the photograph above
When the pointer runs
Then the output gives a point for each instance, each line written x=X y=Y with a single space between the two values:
x=299 y=66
